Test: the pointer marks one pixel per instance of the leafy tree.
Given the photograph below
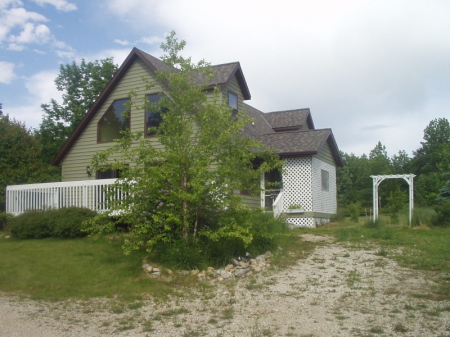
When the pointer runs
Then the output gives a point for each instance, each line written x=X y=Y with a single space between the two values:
x=432 y=159
x=20 y=157
x=401 y=163
x=81 y=85
x=184 y=188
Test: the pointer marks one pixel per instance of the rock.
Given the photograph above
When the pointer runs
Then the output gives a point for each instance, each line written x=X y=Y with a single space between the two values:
x=235 y=262
x=184 y=272
x=261 y=258
x=149 y=269
x=145 y=266
x=225 y=275
x=241 y=272
x=229 y=267
x=242 y=265
x=156 y=274
x=195 y=271
x=170 y=272
x=156 y=270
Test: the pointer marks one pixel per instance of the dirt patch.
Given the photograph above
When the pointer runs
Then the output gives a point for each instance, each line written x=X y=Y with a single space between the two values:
x=338 y=290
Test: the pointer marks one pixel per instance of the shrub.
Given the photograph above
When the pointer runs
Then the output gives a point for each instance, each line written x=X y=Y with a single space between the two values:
x=67 y=222
x=31 y=225
x=4 y=220
x=354 y=209
x=60 y=223
x=442 y=217
x=245 y=230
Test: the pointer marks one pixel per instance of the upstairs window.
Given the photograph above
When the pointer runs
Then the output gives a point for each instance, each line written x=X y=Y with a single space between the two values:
x=153 y=116
x=233 y=102
x=113 y=121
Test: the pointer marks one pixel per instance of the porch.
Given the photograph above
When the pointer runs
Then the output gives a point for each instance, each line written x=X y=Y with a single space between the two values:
x=90 y=194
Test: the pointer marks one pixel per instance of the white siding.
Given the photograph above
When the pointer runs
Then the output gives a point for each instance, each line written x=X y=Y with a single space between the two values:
x=323 y=201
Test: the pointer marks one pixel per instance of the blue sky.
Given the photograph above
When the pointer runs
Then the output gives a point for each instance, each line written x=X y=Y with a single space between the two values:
x=370 y=70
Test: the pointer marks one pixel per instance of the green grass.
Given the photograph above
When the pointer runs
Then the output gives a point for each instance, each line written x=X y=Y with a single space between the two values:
x=77 y=268
x=88 y=267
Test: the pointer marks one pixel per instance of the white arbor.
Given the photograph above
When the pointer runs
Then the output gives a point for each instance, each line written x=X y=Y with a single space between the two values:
x=377 y=181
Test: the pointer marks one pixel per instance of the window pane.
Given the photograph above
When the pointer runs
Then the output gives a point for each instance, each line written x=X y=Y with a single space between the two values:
x=153 y=117
x=233 y=102
x=112 y=122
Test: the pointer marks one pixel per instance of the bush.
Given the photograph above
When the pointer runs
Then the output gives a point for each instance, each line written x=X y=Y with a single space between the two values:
x=442 y=217
x=354 y=209
x=4 y=220
x=68 y=222
x=59 y=223
x=245 y=230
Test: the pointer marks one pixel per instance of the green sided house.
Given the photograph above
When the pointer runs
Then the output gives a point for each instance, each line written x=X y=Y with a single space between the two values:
x=309 y=175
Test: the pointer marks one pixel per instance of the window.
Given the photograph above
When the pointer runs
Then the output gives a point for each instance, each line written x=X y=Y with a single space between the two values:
x=113 y=122
x=233 y=102
x=108 y=174
x=325 y=176
x=153 y=116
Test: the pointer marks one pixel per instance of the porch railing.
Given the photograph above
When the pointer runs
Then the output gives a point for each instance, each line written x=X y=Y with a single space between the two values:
x=90 y=194
x=278 y=205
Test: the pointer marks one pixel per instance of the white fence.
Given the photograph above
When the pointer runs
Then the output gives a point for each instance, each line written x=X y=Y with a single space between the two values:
x=278 y=204
x=90 y=194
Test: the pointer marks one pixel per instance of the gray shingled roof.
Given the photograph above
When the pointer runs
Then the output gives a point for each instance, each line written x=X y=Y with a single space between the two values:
x=301 y=142
x=222 y=72
x=282 y=119
x=260 y=126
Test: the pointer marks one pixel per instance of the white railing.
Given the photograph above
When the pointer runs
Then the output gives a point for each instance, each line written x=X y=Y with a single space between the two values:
x=90 y=194
x=278 y=205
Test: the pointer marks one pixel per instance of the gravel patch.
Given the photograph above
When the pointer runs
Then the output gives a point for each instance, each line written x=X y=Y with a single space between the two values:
x=338 y=290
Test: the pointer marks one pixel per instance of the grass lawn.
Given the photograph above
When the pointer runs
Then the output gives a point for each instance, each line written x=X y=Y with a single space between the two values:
x=78 y=268
x=86 y=268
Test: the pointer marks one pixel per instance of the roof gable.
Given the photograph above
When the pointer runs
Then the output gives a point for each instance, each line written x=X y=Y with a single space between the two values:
x=273 y=130
x=224 y=73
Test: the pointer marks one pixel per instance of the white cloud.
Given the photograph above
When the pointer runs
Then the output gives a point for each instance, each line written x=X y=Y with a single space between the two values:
x=122 y=42
x=70 y=55
x=61 y=5
x=32 y=33
x=146 y=40
x=20 y=28
x=40 y=89
x=7 y=3
x=119 y=55
x=7 y=72
x=16 y=17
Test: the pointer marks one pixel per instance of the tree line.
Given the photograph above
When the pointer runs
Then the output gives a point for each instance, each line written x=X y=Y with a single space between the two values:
x=430 y=163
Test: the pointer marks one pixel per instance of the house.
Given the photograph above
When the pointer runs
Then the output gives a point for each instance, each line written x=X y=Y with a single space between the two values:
x=309 y=175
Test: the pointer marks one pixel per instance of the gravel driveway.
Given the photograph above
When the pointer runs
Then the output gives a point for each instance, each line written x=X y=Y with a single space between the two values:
x=337 y=291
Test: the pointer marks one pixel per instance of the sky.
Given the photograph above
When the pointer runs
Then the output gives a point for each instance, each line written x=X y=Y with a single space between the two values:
x=371 y=70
